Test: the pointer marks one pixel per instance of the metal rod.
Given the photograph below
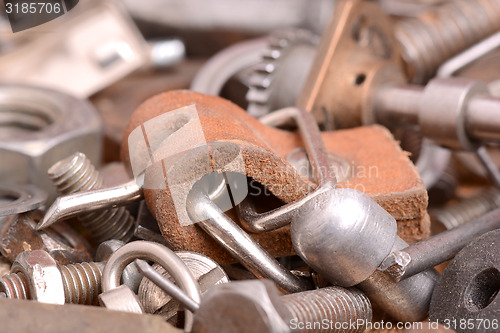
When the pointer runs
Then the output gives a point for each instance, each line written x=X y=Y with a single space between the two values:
x=446 y=245
x=470 y=55
x=241 y=246
x=489 y=164
x=167 y=286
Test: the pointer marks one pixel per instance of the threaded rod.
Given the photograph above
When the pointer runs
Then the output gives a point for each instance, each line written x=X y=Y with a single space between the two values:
x=442 y=32
x=335 y=304
x=76 y=174
x=82 y=282
x=468 y=209
x=15 y=285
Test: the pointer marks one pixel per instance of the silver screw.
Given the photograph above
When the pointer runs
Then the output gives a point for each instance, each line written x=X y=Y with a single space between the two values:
x=438 y=34
x=81 y=283
x=336 y=304
x=77 y=174
x=468 y=209
x=256 y=305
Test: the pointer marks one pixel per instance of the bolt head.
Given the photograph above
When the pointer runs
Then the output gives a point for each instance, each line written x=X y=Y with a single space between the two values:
x=242 y=306
x=43 y=275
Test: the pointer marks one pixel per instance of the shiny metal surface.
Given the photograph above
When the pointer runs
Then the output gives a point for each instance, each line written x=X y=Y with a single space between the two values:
x=441 y=32
x=42 y=276
x=248 y=16
x=167 y=286
x=40 y=127
x=130 y=276
x=442 y=247
x=344 y=235
x=211 y=78
x=74 y=60
x=470 y=55
x=454 y=112
x=276 y=80
x=16 y=199
x=73 y=204
x=157 y=253
x=467 y=209
x=121 y=298
x=76 y=173
x=238 y=243
x=206 y=272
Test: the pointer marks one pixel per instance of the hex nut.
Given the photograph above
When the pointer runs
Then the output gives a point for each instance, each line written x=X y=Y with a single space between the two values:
x=42 y=127
x=252 y=305
x=44 y=278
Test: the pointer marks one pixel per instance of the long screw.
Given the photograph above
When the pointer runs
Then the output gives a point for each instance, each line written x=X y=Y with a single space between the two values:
x=335 y=304
x=82 y=283
x=468 y=209
x=77 y=174
x=442 y=32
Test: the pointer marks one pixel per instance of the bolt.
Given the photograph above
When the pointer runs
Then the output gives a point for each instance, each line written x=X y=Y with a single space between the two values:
x=35 y=275
x=258 y=307
x=468 y=209
x=441 y=32
x=76 y=174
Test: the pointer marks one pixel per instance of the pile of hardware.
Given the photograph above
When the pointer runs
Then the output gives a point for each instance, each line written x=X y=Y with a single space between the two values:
x=251 y=166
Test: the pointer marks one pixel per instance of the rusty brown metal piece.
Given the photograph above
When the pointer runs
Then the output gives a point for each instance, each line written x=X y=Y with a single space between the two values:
x=358 y=51
x=18 y=234
x=35 y=317
x=378 y=167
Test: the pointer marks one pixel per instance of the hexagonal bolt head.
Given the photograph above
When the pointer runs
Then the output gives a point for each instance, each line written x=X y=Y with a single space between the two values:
x=252 y=306
x=44 y=278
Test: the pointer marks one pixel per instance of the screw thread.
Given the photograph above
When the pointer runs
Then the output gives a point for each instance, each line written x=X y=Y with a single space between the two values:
x=77 y=174
x=335 y=304
x=82 y=282
x=444 y=31
x=14 y=285
x=468 y=209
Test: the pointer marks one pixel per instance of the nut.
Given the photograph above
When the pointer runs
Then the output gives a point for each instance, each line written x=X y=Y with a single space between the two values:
x=43 y=275
x=254 y=305
x=40 y=127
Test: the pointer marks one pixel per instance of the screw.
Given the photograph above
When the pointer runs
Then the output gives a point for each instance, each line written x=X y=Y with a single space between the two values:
x=438 y=34
x=77 y=174
x=81 y=282
x=258 y=306
x=336 y=304
x=468 y=209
